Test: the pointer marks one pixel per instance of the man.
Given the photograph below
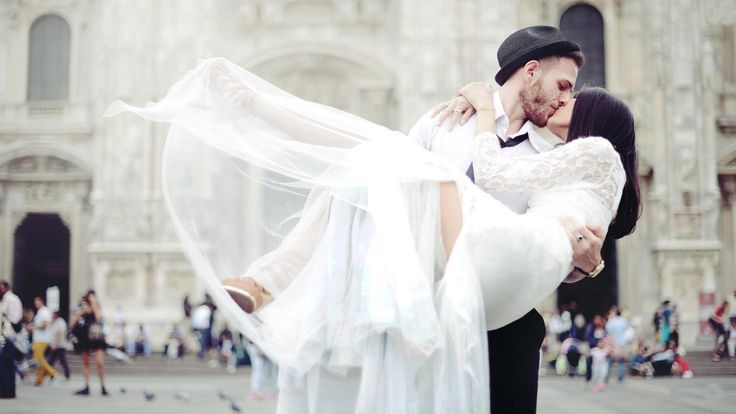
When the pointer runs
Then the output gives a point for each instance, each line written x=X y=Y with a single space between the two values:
x=201 y=326
x=57 y=332
x=538 y=71
x=10 y=325
x=732 y=307
x=617 y=327
x=41 y=339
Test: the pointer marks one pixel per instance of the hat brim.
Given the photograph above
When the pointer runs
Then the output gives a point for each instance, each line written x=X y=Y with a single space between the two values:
x=551 y=49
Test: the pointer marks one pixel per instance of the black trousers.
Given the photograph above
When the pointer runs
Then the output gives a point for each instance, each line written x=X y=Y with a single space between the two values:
x=514 y=364
x=7 y=370
x=59 y=353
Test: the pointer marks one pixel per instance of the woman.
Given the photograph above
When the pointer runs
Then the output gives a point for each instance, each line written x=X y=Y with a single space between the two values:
x=87 y=329
x=716 y=320
x=378 y=283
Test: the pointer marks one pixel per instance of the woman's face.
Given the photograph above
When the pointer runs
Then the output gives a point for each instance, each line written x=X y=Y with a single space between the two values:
x=559 y=123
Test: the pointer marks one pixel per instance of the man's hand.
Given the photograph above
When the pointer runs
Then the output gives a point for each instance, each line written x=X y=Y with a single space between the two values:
x=586 y=242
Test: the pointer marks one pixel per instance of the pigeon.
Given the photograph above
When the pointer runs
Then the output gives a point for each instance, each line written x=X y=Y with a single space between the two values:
x=123 y=390
x=234 y=406
x=149 y=395
x=221 y=395
x=184 y=396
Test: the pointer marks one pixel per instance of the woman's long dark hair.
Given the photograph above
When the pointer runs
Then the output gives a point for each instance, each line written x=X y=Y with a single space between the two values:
x=597 y=113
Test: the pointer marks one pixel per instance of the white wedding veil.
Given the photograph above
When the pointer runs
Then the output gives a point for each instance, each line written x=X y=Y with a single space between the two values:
x=242 y=161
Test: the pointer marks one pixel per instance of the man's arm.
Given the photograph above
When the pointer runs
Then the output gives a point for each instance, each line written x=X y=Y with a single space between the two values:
x=424 y=131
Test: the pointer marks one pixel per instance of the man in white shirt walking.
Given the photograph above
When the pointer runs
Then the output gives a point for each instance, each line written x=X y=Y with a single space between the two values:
x=41 y=339
x=201 y=326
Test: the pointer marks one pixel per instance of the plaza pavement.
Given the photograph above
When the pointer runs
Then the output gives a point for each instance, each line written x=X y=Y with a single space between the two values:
x=556 y=396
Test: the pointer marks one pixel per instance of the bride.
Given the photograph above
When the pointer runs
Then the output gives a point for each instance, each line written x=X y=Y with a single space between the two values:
x=379 y=298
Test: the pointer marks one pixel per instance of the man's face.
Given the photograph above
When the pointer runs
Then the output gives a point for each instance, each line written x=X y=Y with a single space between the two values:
x=550 y=88
x=38 y=302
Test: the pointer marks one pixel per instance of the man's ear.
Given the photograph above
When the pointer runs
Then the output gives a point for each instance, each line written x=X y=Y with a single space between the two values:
x=531 y=69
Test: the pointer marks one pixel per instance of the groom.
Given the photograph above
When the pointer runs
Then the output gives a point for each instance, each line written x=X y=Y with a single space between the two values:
x=537 y=75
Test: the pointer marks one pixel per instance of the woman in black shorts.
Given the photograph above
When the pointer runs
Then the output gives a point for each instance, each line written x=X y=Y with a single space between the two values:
x=88 y=330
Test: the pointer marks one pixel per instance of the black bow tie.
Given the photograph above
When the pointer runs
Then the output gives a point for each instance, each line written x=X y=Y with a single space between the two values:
x=511 y=142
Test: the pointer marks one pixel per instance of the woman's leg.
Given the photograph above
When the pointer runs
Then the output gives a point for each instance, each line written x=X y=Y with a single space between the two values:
x=85 y=373
x=100 y=360
x=451 y=215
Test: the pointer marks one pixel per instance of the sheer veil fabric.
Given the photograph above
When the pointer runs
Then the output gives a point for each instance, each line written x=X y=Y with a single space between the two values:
x=244 y=161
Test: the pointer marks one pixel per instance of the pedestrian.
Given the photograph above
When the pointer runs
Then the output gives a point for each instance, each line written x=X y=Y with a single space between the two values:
x=88 y=330
x=617 y=328
x=716 y=323
x=263 y=375
x=600 y=355
x=10 y=327
x=58 y=344
x=41 y=339
x=732 y=340
x=731 y=307
x=174 y=346
x=665 y=327
x=141 y=342
x=594 y=332
x=202 y=328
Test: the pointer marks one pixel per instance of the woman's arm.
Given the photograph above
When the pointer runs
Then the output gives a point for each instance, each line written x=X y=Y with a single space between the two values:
x=75 y=318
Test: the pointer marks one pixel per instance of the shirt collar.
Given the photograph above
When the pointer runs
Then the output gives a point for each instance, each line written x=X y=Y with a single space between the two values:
x=502 y=127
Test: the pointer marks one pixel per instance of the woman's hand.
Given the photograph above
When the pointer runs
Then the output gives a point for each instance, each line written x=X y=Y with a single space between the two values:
x=456 y=110
x=479 y=94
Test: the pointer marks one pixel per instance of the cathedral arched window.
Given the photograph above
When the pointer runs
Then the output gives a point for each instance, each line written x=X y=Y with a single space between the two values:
x=48 y=59
x=583 y=24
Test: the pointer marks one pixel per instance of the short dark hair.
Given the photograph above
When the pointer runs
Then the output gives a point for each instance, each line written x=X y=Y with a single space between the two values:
x=575 y=55
x=598 y=113
x=5 y=284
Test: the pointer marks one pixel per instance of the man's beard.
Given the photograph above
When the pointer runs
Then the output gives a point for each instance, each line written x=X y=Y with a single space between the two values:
x=534 y=104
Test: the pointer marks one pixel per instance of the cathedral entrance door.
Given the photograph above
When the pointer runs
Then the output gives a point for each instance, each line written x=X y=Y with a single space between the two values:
x=41 y=259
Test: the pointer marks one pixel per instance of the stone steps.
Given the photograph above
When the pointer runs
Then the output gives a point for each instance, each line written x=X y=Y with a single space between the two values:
x=153 y=365
x=702 y=365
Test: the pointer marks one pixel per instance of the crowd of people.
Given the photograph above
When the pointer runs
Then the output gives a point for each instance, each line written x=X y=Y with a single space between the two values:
x=36 y=339
x=609 y=343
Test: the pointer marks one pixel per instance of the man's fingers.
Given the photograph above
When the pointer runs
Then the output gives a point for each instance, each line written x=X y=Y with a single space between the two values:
x=454 y=119
x=445 y=113
x=439 y=108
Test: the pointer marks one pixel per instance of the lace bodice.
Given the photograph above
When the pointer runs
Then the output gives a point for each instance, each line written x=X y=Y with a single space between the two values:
x=589 y=164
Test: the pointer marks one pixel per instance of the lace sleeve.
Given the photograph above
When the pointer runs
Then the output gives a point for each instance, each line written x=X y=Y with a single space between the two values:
x=590 y=162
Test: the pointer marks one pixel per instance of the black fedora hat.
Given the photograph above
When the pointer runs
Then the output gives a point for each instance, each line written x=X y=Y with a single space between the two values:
x=530 y=43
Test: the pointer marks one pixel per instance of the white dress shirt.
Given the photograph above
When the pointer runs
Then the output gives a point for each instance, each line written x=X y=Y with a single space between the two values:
x=456 y=145
x=42 y=335
x=12 y=307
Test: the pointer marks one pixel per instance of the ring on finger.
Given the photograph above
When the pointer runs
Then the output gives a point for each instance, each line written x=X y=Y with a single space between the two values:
x=579 y=237
x=457 y=110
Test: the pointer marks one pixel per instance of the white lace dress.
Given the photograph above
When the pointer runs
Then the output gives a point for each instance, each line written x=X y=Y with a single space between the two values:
x=368 y=316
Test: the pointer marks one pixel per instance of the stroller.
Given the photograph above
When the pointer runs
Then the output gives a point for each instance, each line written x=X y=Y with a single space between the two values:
x=569 y=362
